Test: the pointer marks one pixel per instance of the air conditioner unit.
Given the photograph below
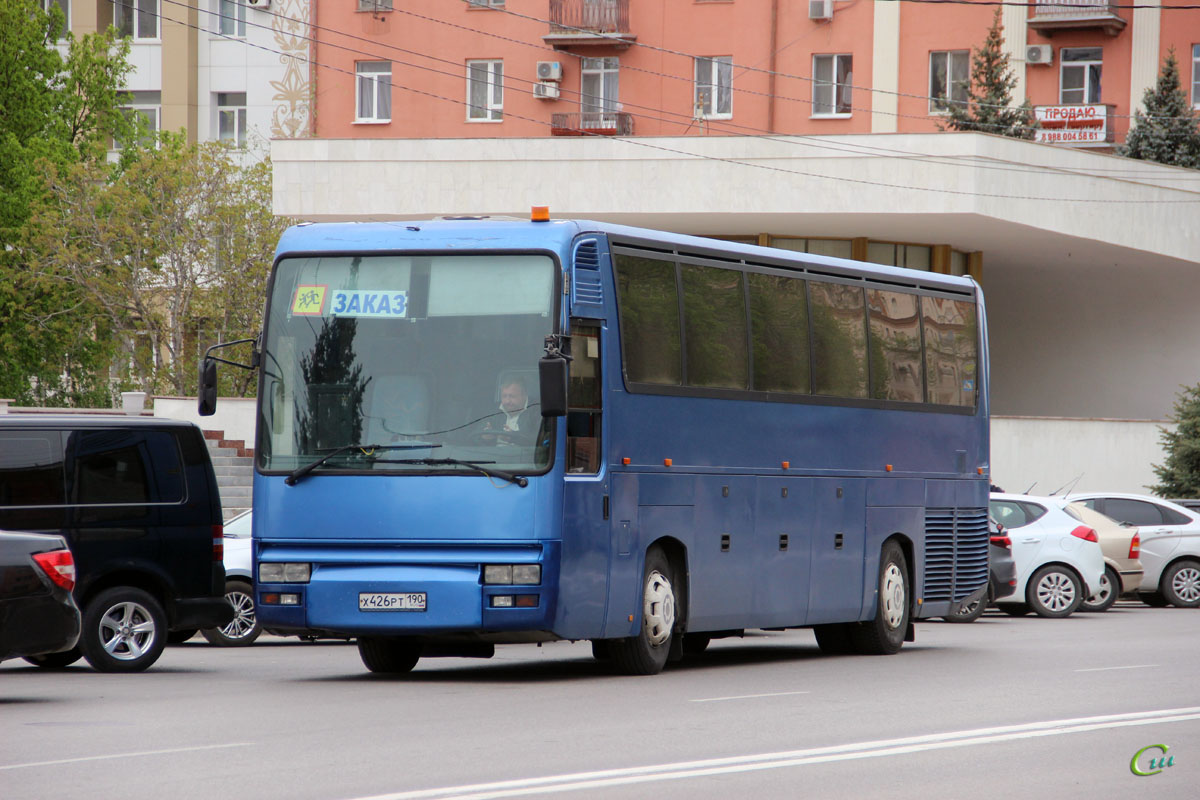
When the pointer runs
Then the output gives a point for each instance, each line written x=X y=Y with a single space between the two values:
x=549 y=71
x=820 y=9
x=1039 y=54
x=545 y=90
x=258 y=3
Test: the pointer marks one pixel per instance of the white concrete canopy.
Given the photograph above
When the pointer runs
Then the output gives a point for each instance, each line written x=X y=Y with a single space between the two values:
x=1090 y=261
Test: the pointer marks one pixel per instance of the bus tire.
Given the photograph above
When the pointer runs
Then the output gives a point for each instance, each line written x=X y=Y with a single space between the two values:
x=834 y=640
x=646 y=653
x=884 y=635
x=388 y=655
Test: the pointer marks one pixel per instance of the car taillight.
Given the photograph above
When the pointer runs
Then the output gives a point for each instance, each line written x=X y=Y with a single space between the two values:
x=1135 y=546
x=1001 y=541
x=59 y=566
x=218 y=534
x=1085 y=533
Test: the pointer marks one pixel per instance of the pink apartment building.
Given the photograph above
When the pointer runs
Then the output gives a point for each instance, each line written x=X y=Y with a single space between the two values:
x=529 y=68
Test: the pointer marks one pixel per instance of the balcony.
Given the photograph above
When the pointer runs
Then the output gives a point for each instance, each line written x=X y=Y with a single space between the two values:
x=1051 y=16
x=592 y=123
x=589 y=23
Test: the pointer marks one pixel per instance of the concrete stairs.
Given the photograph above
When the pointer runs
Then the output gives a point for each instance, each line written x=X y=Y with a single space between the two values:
x=233 y=463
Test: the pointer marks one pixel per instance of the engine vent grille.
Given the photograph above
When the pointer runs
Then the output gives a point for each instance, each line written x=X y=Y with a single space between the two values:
x=956 y=557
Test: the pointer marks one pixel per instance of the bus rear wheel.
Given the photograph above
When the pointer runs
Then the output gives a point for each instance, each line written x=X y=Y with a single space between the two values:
x=885 y=634
x=646 y=653
x=388 y=655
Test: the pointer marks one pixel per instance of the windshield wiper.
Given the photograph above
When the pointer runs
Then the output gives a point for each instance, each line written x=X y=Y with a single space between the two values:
x=454 y=462
x=297 y=474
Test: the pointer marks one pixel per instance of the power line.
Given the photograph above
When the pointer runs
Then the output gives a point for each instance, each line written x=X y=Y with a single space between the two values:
x=718 y=125
x=747 y=68
x=699 y=156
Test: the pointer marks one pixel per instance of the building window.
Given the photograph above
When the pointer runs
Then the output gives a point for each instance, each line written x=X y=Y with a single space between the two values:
x=949 y=76
x=231 y=117
x=373 y=84
x=486 y=3
x=598 y=86
x=231 y=19
x=714 y=87
x=1196 y=76
x=375 y=5
x=147 y=106
x=1080 y=77
x=136 y=18
x=485 y=91
x=65 y=5
x=833 y=78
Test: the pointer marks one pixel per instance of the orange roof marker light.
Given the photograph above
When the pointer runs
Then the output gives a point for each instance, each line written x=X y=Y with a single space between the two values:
x=666 y=462
x=539 y=214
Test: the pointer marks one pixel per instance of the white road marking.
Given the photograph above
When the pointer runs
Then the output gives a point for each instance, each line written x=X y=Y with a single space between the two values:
x=791 y=758
x=743 y=697
x=1105 y=669
x=123 y=755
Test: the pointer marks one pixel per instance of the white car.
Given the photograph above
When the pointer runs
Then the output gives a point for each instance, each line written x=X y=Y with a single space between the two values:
x=244 y=628
x=1058 y=558
x=1170 y=541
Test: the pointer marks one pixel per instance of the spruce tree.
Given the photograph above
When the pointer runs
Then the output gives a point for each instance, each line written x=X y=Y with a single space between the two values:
x=1179 y=474
x=989 y=108
x=1167 y=130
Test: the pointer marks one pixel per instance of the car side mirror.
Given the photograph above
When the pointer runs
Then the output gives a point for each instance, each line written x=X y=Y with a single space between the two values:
x=206 y=392
x=552 y=379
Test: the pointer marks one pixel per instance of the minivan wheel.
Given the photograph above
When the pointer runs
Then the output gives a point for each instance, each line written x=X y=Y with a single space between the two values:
x=1181 y=584
x=244 y=628
x=124 y=630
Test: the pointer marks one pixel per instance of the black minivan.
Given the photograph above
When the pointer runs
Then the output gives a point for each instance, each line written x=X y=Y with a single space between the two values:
x=137 y=501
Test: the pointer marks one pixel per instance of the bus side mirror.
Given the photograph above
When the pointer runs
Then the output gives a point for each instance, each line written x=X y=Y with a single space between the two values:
x=206 y=393
x=552 y=379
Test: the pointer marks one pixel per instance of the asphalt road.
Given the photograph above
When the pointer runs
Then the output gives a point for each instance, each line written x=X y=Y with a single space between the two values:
x=1000 y=708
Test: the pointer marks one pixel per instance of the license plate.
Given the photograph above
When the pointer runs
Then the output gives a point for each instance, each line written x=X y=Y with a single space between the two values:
x=391 y=601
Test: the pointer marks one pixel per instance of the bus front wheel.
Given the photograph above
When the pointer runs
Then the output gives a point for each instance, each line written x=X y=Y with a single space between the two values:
x=884 y=635
x=646 y=653
x=388 y=655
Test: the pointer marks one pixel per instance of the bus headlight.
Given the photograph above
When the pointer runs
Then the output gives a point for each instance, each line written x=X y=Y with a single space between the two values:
x=286 y=572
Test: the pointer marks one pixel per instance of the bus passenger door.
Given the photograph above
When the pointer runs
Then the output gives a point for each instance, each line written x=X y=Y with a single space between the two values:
x=838 y=540
x=583 y=584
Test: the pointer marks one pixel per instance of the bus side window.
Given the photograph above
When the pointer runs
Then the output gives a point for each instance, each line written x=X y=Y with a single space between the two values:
x=584 y=399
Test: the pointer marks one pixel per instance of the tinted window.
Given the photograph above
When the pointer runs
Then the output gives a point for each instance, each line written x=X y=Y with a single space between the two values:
x=1015 y=514
x=895 y=347
x=779 y=327
x=123 y=467
x=31 y=468
x=951 y=345
x=839 y=339
x=1135 y=512
x=1173 y=517
x=714 y=316
x=649 y=310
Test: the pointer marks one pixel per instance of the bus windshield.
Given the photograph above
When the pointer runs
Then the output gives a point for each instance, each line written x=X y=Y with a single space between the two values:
x=406 y=363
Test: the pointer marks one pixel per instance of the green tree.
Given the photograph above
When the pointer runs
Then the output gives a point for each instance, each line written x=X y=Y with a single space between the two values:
x=1179 y=474
x=989 y=106
x=54 y=112
x=1167 y=130
x=171 y=252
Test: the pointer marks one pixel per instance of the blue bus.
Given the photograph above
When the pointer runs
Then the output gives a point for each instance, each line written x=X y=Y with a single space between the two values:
x=478 y=431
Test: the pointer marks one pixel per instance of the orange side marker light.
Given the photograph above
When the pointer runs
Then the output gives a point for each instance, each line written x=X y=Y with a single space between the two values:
x=666 y=462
